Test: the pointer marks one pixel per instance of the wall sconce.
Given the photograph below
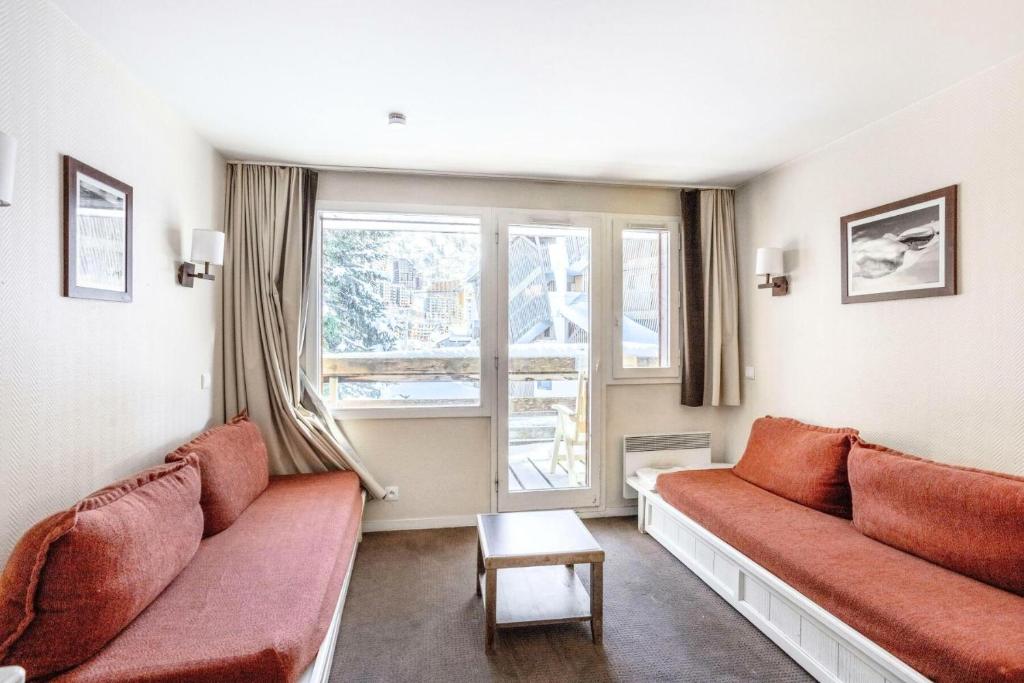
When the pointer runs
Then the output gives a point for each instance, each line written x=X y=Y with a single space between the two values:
x=207 y=247
x=8 y=151
x=769 y=261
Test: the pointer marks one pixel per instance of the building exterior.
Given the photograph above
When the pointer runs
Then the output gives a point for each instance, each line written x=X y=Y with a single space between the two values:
x=403 y=272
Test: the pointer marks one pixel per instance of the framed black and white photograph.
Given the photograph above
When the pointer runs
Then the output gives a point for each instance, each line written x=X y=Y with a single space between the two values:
x=97 y=234
x=902 y=250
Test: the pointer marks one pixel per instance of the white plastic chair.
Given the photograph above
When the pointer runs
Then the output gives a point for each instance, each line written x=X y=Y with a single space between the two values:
x=571 y=430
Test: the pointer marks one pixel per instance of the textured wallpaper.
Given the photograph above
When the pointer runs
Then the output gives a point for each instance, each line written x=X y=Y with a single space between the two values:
x=940 y=377
x=91 y=390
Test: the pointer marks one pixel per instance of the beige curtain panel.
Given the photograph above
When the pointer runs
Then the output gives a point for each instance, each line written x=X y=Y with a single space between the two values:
x=711 y=357
x=721 y=298
x=269 y=221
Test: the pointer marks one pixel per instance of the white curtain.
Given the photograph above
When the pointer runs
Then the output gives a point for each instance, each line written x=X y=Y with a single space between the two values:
x=269 y=221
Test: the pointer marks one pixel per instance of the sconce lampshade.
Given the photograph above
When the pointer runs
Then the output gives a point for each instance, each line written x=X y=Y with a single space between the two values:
x=8 y=151
x=769 y=261
x=208 y=247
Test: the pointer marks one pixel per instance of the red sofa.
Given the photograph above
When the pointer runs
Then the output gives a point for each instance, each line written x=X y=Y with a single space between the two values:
x=930 y=567
x=253 y=600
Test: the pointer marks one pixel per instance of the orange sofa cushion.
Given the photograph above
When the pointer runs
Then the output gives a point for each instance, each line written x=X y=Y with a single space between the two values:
x=967 y=520
x=234 y=467
x=255 y=603
x=801 y=462
x=948 y=626
x=78 y=578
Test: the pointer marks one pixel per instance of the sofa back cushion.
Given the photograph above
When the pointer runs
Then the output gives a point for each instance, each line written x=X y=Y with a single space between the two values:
x=966 y=520
x=800 y=462
x=233 y=463
x=79 y=577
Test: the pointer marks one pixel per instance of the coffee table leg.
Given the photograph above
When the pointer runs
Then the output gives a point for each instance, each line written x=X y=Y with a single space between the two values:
x=491 y=606
x=597 y=601
x=479 y=565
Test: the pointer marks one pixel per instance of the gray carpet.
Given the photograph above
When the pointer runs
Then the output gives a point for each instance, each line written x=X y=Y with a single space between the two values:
x=412 y=615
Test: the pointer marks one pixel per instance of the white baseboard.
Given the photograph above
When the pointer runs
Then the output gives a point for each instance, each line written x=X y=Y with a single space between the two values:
x=410 y=523
x=449 y=521
x=610 y=512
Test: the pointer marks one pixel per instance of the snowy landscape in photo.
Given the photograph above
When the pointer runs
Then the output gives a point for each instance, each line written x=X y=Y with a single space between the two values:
x=898 y=251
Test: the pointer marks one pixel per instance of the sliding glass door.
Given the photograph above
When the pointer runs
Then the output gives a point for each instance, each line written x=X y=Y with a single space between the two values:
x=546 y=365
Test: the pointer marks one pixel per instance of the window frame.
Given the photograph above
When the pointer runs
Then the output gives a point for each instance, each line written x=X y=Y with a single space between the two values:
x=617 y=373
x=312 y=347
x=609 y=227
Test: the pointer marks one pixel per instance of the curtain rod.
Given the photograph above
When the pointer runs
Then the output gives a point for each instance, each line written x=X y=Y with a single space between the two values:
x=483 y=176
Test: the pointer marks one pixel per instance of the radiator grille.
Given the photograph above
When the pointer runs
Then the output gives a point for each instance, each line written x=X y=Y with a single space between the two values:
x=667 y=442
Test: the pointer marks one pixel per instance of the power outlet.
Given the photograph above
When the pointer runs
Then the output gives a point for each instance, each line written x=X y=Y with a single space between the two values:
x=391 y=493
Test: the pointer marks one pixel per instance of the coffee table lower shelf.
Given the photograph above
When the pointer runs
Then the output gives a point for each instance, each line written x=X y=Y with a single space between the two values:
x=533 y=596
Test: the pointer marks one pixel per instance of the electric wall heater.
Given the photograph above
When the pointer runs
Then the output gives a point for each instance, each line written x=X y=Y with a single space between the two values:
x=662 y=450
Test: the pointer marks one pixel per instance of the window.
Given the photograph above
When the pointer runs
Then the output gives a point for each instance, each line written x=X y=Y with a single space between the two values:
x=400 y=310
x=645 y=298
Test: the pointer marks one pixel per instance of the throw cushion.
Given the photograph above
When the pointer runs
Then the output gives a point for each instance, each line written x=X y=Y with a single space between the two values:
x=800 y=462
x=79 y=577
x=967 y=520
x=233 y=463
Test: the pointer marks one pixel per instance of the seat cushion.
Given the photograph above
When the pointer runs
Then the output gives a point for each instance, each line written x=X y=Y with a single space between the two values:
x=948 y=626
x=257 y=599
x=966 y=520
x=801 y=462
x=79 y=577
x=233 y=462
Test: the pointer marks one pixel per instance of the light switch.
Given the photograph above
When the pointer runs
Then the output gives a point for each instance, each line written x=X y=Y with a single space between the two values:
x=748 y=372
x=204 y=380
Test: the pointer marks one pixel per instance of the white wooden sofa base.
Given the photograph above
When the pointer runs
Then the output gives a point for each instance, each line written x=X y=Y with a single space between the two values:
x=12 y=674
x=320 y=670
x=826 y=647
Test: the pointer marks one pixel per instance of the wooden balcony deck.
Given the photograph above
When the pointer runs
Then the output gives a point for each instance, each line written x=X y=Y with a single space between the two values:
x=529 y=468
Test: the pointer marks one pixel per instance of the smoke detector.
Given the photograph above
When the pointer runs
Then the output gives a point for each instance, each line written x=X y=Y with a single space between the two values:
x=396 y=118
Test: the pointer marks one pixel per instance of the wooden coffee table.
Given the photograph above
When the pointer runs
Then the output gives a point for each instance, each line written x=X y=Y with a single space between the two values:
x=536 y=553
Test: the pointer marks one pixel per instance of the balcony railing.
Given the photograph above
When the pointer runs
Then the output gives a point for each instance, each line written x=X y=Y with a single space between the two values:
x=528 y=363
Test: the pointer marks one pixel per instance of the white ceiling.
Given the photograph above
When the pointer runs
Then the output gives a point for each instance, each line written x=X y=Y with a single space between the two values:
x=673 y=91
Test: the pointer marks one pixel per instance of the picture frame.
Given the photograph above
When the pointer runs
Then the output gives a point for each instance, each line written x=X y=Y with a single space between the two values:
x=97 y=234
x=901 y=250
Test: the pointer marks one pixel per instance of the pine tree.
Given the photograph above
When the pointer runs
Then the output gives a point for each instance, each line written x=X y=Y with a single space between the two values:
x=355 y=315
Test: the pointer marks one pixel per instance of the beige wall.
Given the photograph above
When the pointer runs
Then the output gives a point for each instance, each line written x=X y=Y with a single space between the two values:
x=443 y=466
x=514 y=194
x=90 y=390
x=940 y=377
